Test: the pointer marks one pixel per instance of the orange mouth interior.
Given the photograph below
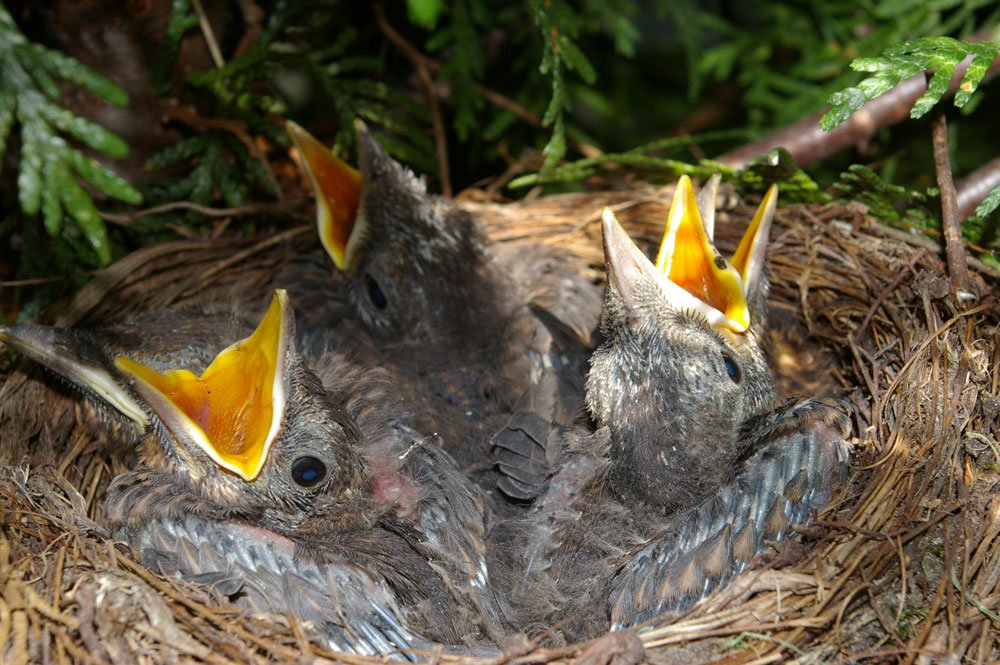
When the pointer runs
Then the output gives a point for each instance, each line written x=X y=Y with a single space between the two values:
x=232 y=404
x=689 y=259
x=337 y=187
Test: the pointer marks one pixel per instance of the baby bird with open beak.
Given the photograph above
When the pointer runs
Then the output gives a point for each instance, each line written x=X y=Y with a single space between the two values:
x=291 y=481
x=692 y=466
x=489 y=339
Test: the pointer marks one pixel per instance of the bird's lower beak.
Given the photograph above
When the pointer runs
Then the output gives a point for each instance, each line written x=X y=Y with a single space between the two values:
x=337 y=187
x=689 y=259
x=233 y=411
x=59 y=350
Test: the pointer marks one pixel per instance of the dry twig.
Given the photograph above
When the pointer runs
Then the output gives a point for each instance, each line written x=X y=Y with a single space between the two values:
x=420 y=65
x=950 y=221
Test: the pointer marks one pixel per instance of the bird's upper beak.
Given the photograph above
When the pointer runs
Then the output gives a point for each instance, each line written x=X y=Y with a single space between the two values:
x=752 y=250
x=628 y=267
x=625 y=263
x=337 y=186
x=690 y=260
x=61 y=351
x=233 y=411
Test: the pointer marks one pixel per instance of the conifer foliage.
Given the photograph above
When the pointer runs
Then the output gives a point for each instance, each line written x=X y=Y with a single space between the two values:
x=51 y=169
x=559 y=94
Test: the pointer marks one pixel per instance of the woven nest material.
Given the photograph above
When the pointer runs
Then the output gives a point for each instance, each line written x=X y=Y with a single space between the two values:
x=904 y=564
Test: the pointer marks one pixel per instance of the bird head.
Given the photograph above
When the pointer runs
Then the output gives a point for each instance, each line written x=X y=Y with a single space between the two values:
x=250 y=427
x=416 y=263
x=255 y=427
x=681 y=366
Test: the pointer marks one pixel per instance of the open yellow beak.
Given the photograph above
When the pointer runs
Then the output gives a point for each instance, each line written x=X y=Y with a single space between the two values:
x=689 y=259
x=337 y=187
x=750 y=252
x=232 y=411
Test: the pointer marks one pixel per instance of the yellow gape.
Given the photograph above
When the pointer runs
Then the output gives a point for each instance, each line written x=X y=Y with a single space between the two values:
x=337 y=187
x=689 y=259
x=233 y=410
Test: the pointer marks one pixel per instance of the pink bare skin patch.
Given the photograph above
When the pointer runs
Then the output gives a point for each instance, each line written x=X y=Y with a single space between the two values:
x=393 y=488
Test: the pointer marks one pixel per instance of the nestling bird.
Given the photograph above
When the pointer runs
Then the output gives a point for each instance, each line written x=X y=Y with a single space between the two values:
x=489 y=339
x=692 y=466
x=292 y=482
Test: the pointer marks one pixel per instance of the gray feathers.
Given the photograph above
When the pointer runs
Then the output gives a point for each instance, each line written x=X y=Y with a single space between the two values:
x=691 y=470
x=800 y=455
x=352 y=611
x=639 y=486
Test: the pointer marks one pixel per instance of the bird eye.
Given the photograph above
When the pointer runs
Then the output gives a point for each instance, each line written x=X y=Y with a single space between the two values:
x=732 y=369
x=307 y=471
x=375 y=292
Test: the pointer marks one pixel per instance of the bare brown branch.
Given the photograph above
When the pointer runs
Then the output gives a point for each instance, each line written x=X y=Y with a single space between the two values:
x=808 y=143
x=209 y=35
x=974 y=187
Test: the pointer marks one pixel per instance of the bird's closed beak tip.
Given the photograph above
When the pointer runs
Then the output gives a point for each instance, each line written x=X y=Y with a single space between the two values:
x=611 y=232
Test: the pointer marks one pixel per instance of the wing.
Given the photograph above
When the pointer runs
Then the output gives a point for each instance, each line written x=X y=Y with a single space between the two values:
x=799 y=453
x=549 y=344
x=527 y=449
x=350 y=610
x=453 y=521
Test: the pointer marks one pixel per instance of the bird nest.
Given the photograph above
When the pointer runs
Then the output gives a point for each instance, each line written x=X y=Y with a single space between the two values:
x=904 y=563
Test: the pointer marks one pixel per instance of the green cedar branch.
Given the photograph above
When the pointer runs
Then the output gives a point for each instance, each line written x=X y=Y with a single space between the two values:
x=51 y=170
x=908 y=59
x=808 y=143
x=559 y=26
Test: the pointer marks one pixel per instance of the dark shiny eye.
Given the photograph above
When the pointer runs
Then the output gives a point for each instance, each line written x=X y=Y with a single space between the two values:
x=732 y=369
x=307 y=471
x=375 y=292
